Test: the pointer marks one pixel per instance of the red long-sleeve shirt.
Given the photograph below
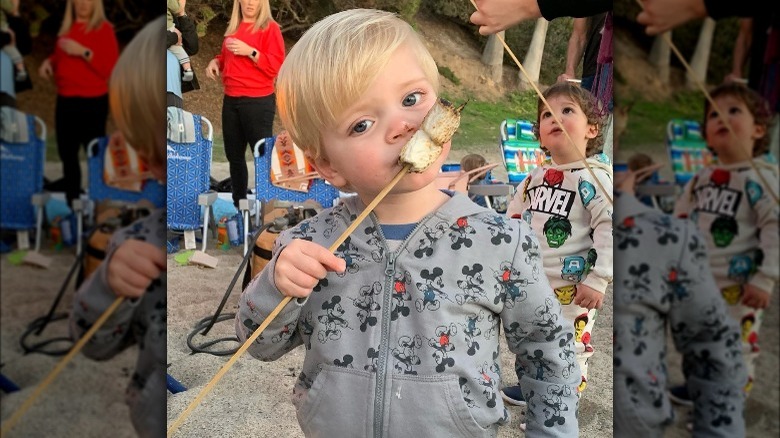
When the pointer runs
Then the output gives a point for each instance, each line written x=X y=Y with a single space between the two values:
x=241 y=76
x=77 y=77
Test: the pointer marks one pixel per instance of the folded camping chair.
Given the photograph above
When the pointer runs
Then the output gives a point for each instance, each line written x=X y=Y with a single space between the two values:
x=98 y=190
x=189 y=169
x=22 y=157
x=319 y=189
x=519 y=149
x=687 y=149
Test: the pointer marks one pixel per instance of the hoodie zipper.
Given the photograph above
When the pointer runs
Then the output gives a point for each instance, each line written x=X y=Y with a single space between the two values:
x=387 y=299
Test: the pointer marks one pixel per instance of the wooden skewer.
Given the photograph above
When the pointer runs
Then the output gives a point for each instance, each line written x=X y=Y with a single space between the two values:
x=607 y=194
x=251 y=339
x=9 y=424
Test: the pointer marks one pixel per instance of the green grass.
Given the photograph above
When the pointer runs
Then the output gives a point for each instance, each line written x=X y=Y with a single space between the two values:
x=647 y=120
x=480 y=120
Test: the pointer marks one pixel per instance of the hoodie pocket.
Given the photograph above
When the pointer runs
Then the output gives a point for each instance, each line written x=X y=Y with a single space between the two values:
x=339 y=404
x=431 y=406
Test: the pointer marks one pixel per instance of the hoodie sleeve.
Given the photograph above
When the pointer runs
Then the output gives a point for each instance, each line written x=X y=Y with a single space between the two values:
x=708 y=340
x=543 y=342
x=600 y=210
x=257 y=301
x=767 y=213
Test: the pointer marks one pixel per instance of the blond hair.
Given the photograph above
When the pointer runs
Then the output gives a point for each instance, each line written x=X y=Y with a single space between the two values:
x=236 y=17
x=137 y=105
x=97 y=18
x=333 y=64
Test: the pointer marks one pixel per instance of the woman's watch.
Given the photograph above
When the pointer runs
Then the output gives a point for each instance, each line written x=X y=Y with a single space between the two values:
x=87 y=54
x=254 y=54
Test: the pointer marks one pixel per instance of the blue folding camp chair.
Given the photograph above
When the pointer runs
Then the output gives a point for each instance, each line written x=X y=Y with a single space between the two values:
x=319 y=190
x=189 y=169
x=687 y=149
x=98 y=190
x=519 y=149
x=22 y=157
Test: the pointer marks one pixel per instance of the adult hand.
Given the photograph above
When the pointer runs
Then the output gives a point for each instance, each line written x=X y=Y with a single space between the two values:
x=71 y=47
x=133 y=267
x=734 y=77
x=493 y=16
x=661 y=15
x=45 y=70
x=182 y=4
x=238 y=47
x=178 y=36
x=301 y=265
x=588 y=297
x=563 y=77
x=755 y=297
x=212 y=70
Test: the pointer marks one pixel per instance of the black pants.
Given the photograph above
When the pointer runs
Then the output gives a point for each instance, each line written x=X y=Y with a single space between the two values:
x=78 y=120
x=245 y=120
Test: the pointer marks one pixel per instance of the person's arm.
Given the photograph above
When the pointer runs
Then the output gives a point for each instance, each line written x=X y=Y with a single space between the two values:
x=171 y=38
x=269 y=57
x=709 y=342
x=257 y=301
x=104 y=52
x=741 y=49
x=661 y=15
x=543 y=342
x=767 y=221
x=575 y=48
x=493 y=16
x=189 y=33
x=600 y=210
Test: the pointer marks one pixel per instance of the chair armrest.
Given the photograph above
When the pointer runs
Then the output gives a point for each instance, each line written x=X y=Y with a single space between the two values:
x=207 y=198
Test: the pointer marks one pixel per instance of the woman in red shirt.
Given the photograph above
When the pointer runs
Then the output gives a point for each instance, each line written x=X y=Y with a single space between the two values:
x=252 y=53
x=81 y=65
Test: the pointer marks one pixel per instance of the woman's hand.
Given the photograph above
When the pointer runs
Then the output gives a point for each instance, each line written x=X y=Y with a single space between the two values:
x=238 y=47
x=45 y=70
x=71 y=47
x=212 y=70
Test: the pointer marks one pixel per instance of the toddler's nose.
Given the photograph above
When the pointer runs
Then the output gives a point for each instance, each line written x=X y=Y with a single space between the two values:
x=402 y=130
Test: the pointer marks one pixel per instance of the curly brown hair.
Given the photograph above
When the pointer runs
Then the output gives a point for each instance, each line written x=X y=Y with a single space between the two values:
x=755 y=103
x=589 y=105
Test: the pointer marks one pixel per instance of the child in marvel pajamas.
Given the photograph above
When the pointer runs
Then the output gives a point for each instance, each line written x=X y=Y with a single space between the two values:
x=734 y=209
x=570 y=214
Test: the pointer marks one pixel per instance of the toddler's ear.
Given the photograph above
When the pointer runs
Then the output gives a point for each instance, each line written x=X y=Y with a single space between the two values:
x=593 y=131
x=325 y=169
x=759 y=131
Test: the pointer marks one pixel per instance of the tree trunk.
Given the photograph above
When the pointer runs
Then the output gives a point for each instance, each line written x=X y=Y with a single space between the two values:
x=533 y=59
x=701 y=56
x=660 y=56
x=493 y=57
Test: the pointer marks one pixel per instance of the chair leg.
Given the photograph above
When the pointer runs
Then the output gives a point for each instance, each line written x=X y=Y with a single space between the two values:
x=205 y=232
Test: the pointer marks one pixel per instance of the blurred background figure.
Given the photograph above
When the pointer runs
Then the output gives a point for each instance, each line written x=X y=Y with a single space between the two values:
x=83 y=58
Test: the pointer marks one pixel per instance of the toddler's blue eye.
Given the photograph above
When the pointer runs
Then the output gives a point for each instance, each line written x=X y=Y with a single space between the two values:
x=362 y=126
x=412 y=99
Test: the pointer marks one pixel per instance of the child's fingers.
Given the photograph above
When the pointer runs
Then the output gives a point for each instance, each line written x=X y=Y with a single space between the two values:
x=324 y=258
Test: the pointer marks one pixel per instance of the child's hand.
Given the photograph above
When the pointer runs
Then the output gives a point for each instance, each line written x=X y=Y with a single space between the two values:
x=755 y=297
x=212 y=70
x=133 y=266
x=588 y=297
x=301 y=265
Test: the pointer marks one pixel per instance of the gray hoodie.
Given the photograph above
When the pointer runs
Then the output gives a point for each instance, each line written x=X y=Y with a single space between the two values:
x=405 y=343
x=139 y=321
